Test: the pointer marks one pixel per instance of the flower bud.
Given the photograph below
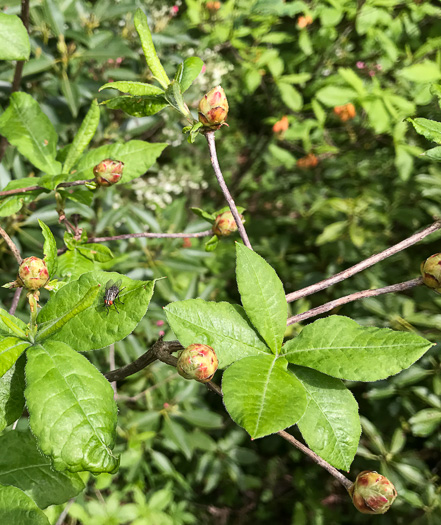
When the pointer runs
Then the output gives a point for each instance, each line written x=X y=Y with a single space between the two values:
x=197 y=362
x=213 y=108
x=431 y=271
x=108 y=172
x=372 y=493
x=33 y=273
x=310 y=161
x=225 y=224
x=345 y=112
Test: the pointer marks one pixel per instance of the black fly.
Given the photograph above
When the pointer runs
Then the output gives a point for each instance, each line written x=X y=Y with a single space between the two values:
x=111 y=295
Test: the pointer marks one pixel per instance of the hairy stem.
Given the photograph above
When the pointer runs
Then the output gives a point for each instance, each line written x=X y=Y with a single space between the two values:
x=11 y=245
x=215 y=163
x=354 y=297
x=370 y=261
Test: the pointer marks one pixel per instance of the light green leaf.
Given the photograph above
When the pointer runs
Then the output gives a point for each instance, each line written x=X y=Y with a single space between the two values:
x=14 y=39
x=72 y=412
x=18 y=509
x=262 y=396
x=353 y=80
x=173 y=96
x=83 y=136
x=96 y=327
x=212 y=243
x=23 y=466
x=5 y=326
x=428 y=128
x=50 y=328
x=138 y=156
x=335 y=95
x=28 y=128
x=223 y=326
x=12 y=401
x=72 y=265
x=95 y=252
x=137 y=89
x=290 y=96
x=425 y=422
x=191 y=67
x=138 y=106
x=330 y=424
x=142 y=27
x=427 y=71
x=11 y=349
x=49 y=249
x=262 y=296
x=340 y=347
x=10 y=205
x=434 y=153
x=209 y=217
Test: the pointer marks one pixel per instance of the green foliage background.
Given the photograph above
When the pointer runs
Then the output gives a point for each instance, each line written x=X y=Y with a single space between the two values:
x=183 y=460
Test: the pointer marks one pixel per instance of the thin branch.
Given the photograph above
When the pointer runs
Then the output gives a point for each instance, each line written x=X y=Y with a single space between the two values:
x=137 y=397
x=62 y=516
x=11 y=245
x=150 y=235
x=370 y=261
x=347 y=483
x=33 y=188
x=215 y=163
x=112 y=367
x=354 y=297
x=15 y=301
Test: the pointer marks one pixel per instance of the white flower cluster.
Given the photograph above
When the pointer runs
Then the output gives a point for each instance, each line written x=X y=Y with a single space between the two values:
x=215 y=69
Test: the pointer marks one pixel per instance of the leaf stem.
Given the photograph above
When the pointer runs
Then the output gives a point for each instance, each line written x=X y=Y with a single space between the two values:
x=359 y=267
x=11 y=245
x=33 y=318
x=33 y=188
x=209 y=135
x=354 y=297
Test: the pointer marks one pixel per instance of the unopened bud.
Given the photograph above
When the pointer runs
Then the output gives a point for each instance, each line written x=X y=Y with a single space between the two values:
x=225 y=224
x=213 y=108
x=197 y=362
x=431 y=271
x=372 y=493
x=33 y=273
x=108 y=172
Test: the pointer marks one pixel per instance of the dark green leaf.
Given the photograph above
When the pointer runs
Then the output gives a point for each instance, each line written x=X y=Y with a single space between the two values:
x=18 y=509
x=137 y=89
x=95 y=252
x=138 y=106
x=49 y=249
x=12 y=385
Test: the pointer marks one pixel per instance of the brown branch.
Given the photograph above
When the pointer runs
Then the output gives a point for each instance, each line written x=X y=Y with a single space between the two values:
x=215 y=163
x=150 y=236
x=354 y=297
x=11 y=245
x=370 y=261
x=15 y=300
x=33 y=188
x=347 y=483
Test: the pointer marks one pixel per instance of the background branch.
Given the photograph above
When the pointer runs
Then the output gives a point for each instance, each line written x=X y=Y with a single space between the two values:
x=11 y=245
x=33 y=188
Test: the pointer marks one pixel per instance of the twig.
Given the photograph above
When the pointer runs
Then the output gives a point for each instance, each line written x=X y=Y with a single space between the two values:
x=112 y=367
x=354 y=297
x=33 y=188
x=15 y=301
x=142 y=394
x=215 y=163
x=370 y=261
x=11 y=245
x=61 y=517
x=347 y=483
x=150 y=236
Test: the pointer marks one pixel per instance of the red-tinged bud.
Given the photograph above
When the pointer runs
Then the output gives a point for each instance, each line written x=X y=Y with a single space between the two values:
x=213 y=108
x=225 y=224
x=33 y=273
x=108 y=172
x=431 y=271
x=197 y=362
x=372 y=493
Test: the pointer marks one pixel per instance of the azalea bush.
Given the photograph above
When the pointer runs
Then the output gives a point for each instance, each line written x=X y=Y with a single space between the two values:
x=128 y=268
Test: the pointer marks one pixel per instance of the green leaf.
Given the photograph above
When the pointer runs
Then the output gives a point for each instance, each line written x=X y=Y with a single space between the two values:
x=223 y=326
x=340 y=347
x=10 y=205
x=290 y=96
x=96 y=327
x=72 y=265
x=428 y=128
x=209 y=217
x=330 y=424
x=95 y=252
x=11 y=349
x=137 y=89
x=212 y=243
x=12 y=401
x=335 y=95
x=353 y=80
x=50 y=328
x=142 y=27
x=173 y=96
x=191 y=68
x=262 y=396
x=262 y=296
x=425 y=422
x=434 y=153
x=72 y=412
x=18 y=509
x=427 y=71
x=83 y=136
x=138 y=156
x=138 y=106
x=176 y=433
x=29 y=129
x=49 y=249
x=5 y=326
x=23 y=466
x=14 y=39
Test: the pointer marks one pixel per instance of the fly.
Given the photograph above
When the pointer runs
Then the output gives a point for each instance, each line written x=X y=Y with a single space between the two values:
x=112 y=294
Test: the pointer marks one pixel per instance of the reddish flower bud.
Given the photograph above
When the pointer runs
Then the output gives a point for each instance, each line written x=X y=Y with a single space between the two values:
x=431 y=271
x=33 y=273
x=304 y=21
x=345 y=112
x=197 y=362
x=225 y=224
x=213 y=108
x=372 y=493
x=108 y=172
x=310 y=161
